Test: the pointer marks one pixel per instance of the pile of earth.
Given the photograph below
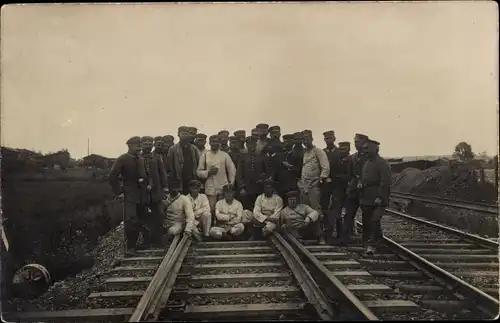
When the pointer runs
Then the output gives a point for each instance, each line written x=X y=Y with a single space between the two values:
x=458 y=182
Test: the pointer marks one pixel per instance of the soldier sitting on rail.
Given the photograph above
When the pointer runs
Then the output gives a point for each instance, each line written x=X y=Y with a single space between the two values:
x=201 y=207
x=178 y=212
x=267 y=205
x=228 y=214
x=301 y=220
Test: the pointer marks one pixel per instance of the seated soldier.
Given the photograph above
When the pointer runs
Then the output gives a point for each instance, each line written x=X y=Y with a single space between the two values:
x=228 y=214
x=178 y=212
x=201 y=207
x=267 y=204
x=299 y=219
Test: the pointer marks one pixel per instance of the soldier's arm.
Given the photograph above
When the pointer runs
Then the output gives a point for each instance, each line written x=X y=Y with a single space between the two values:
x=170 y=161
x=188 y=209
x=222 y=217
x=279 y=204
x=385 y=180
x=239 y=214
x=240 y=170
x=205 y=205
x=163 y=173
x=202 y=171
x=311 y=213
x=116 y=170
x=323 y=162
x=231 y=170
x=257 y=210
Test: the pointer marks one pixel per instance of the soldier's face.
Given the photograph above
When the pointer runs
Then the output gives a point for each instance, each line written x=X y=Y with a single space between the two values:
x=158 y=144
x=307 y=140
x=200 y=143
x=194 y=191
x=268 y=190
x=228 y=195
x=134 y=148
x=224 y=137
x=292 y=202
x=147 y=146
x=214 y=144
x=262 y=133
x=330 y=140
x=174 y=190
x=358 y=143
x=184 y=136
x=233 y=144
x=275 y=134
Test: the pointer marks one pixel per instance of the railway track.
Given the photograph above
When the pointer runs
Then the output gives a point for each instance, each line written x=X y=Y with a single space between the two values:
x=472 y=206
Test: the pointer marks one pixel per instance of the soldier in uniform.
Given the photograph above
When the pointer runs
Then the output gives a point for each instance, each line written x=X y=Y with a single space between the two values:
x=315 y=170
x=192 y=134
x=332 y=221
x=287 y=143
x=131 y=167
x=182 y=160
x=228 y=214
x=375 y=188
x=234 y=149
x=168 y=141
x=275 y=133
x=251 y=169
x=356 y=162
x=224 y=137
x=255 y=134
x=241 y=135
x=152 y=219
x=201 y=208
x=263 y=130
x=200 y=142
x=299 y=219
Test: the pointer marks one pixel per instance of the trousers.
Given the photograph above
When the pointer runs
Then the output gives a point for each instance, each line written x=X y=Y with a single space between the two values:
x=351 y=208
x=235 y=230
x=312 y=197
x=151 y=223
x=372 y=228
x=131 y=223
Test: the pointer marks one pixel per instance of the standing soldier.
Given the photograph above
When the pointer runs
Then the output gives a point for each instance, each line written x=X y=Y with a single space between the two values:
x=375 y=188
x=224 y=137
x=217 y=169
x=234 y=149
x=200 y=141
x=131 y=167
x=251 y=169
x=241 y=135
x=356 y=162
x=192 y=134
x=275 y=133
x=183 y=160
x=332 y=221
x=255 y=134
x=160 y=151
x=263 y=130
x=152 y=219
x=287 y=143
x=315 y=170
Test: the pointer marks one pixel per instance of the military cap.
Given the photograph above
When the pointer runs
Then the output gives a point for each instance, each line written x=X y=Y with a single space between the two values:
x=238 y=133
x=262 y=126
x=360 y=136
x=214 y=137
x=168 y=138
x=234 y=138
x=287 y=137
x=146 y=138
x=307 y=133
x=134 y=140
x=292 y=194
x=373 y=142
x=194 y=183
x=329 y=133
x=158 y=138
x=227 y=188
x=344 y=143
x=201 y=136
x=250 y=139
x=183 y=129
x=274 y=128
x=194 y=130
x=223 y=132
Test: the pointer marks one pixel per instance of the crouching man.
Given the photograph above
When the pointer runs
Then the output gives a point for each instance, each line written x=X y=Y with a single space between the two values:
x=299 y=219
x=228 y=215
x=201 y=208
x=268 y=204
x=178 y=213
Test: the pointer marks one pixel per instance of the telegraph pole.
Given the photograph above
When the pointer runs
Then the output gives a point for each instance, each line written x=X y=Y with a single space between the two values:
x=88 y=146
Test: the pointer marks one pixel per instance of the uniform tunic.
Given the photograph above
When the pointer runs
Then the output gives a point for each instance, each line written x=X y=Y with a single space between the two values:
x=178 y=214
x=182 y=163
x=294 y=218
x=261 y=145
x=266 y=207
x=228 y=218
x=355 y=167
x=376 y=179
x=252 y=167
x=157 y=175
x=225 y=175
x=201 y=211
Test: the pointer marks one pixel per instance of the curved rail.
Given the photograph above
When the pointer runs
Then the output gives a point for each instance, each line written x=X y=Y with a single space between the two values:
x=355 y=306
x=151 y=299
x=304 y=278
x=483 y=301
x=480 y=207
x=486 y=243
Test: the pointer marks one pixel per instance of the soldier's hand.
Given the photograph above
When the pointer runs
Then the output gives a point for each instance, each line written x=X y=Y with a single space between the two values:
x=360 y=185
x=188 y=234
x=148 y=187
x=243 y=191
x=140 y=180
x=120 y=196
x=307 y=220
x=378 y=201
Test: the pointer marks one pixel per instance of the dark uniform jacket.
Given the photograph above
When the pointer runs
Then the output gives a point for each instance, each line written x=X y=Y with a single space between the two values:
x=376 y=179
x=355 y=167
x=284 y=178
x=296 y=158
x=157 y=175
x=131 y=168
x=235 y=156
x=250 y=170
x=175 y=162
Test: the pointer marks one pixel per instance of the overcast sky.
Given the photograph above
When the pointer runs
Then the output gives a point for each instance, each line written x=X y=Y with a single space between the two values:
x=418 y=77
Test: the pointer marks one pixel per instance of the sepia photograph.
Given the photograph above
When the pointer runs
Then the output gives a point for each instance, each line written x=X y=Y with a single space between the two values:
x=284 y=161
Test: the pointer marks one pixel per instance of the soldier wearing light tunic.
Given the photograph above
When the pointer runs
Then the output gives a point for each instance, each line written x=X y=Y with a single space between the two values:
x=178 y=212
x=201 y=208
x=228 y=214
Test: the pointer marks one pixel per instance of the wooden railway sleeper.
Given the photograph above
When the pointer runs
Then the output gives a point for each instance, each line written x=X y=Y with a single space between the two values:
x=180 y=307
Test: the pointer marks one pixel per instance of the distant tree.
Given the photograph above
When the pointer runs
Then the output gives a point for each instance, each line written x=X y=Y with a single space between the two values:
x=463 y=151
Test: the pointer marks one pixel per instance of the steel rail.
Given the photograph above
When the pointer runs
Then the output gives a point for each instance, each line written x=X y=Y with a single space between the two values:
x=483 y=242
x=355 y=305
x=493 y=209
x=444 y=199
x=153 y=288
x=168 y=284
x=306 y=282
x=483 y=301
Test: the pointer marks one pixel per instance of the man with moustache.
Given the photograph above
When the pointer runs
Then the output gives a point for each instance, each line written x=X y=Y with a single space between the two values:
x=263 y=130
x=275 y=133
x=254 y=134
x=151 y=217
x=182 y=160
x=200 y=142
x=192 y=134
x=241 y=135
x=132 y=169
x=224 y=137
x=375 y=188
x=234 y=149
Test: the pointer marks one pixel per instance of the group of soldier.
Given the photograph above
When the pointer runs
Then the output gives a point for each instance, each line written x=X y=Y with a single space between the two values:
x=246 y=187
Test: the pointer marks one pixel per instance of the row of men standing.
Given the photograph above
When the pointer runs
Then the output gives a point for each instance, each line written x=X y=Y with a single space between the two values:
x=328 y=180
